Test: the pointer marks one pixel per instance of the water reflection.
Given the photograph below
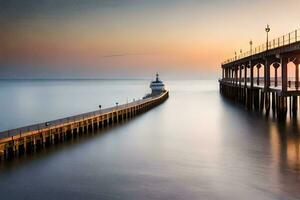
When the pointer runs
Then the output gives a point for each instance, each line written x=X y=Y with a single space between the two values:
x=285 y=150
x=281 y=161
x=197 y=145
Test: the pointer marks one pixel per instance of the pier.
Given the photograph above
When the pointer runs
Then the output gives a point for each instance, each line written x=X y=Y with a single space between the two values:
x=265 y=78
x=30 y=138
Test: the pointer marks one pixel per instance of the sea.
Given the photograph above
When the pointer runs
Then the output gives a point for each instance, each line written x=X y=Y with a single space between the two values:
x=196 y=145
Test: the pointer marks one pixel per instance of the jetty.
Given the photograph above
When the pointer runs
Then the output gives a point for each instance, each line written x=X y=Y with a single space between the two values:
x=265 y=77
x=30 y=138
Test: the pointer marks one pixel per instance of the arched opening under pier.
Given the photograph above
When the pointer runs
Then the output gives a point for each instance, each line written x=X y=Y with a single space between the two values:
x=293 y=73
x=258 y=74
x=275 y=74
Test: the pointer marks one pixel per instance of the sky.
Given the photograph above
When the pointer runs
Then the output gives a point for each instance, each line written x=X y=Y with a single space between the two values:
x=133 y=38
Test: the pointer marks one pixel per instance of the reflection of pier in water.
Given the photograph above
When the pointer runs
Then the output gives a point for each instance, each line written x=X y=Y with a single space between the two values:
x=285 y=153
x=270 y=149
x=285 y=143
x=259 y=79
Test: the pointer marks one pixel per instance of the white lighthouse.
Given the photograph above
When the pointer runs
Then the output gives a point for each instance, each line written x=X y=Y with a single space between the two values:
x=157 y=86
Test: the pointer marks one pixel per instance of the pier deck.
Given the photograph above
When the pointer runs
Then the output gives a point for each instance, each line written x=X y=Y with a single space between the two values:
x=29 y=137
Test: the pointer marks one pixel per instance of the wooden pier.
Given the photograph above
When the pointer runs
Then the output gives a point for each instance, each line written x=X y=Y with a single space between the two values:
x=266 y=78
x=30 y=138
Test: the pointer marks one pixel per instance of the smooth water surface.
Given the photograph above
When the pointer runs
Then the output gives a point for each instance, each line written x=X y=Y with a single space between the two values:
x=196 y=145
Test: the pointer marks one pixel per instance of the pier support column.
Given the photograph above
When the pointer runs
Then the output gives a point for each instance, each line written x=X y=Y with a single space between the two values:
x=251 y=75
x=284 y=62
x=16 y=147
x=297 y=62
x=258 y=67
x=63 y=135
x=231 y=75
x=92 y=125
x=5 y=153
x=240 y=75
x=290 y=105
x=43 y=139
x=251 y=93
x=249 y=98
x=34 y=144
x=256 y=99
x=245 y=74
x=276 y=66
x=223 y=73
x=295 y=106
x=59 y=135
x=267 y=74
x=52 y=136
x=282 y=108
x=267 y=102
x=25 y=144
x=262 y=100
x=273 y=102
x=236 y=75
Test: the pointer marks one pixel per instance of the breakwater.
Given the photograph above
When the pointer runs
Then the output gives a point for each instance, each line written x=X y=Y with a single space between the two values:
x=30 y=138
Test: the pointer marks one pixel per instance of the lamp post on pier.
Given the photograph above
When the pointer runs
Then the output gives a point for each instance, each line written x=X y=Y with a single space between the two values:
x=267 y=67
x=267 y=31
x=250 y=66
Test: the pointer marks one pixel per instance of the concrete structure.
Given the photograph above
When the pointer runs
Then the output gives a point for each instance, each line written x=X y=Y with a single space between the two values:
x=30 y=138
x=261 y=79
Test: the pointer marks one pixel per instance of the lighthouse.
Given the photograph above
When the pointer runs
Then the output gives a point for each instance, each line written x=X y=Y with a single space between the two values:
x=157 y=86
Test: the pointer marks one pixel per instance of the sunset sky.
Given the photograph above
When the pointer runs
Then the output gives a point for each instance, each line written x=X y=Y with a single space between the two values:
x=133 y=38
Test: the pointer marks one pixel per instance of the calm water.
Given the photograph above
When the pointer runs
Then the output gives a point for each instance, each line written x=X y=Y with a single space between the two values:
x=194 y=146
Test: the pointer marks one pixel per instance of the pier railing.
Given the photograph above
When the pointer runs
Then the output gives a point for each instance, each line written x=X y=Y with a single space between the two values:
x=281 y=41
